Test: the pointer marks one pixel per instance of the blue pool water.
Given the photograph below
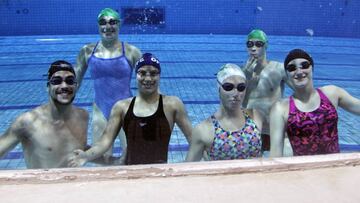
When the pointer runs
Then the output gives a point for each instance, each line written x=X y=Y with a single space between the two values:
x=189 y=63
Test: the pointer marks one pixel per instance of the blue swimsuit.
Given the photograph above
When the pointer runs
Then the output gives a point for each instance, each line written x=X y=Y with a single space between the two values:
x=111 y=80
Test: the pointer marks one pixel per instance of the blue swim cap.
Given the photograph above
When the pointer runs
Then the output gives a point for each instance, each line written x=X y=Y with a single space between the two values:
x=148 y=59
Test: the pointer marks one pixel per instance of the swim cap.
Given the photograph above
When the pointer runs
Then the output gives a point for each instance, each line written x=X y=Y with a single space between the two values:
x=297 y=53
x=108 y=12
x=147 y=59
x=60 y=65
x=259 y=35
x=228 y=70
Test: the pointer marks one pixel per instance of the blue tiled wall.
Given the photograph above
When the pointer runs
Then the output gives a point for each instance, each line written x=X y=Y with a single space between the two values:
x=277 y=17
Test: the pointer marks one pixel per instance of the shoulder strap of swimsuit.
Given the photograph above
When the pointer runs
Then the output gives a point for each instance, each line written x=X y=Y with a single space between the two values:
x=131 y=107
x=93 y=51
x=291 y=104
x=123 y=48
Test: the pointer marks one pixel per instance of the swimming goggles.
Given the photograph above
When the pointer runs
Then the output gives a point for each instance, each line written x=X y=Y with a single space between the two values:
x=152 y=74
x=57 y=80
x=229 y=86
x=292 y=67
x=111 y=22
x=258 y=44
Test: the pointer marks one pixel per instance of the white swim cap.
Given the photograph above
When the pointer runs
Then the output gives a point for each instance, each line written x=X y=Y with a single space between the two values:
x=228 y=70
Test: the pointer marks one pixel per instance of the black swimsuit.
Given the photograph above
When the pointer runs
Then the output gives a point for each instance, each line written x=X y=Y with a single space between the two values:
x=147 y=137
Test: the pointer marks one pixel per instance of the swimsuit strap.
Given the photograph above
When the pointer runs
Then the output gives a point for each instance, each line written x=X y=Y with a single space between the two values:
x=123 y=48
x=93 y=51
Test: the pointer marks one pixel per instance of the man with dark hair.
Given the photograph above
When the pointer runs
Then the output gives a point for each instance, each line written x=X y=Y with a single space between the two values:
x=50 y=132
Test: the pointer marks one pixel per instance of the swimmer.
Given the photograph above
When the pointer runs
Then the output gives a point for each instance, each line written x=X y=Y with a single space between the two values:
x=51 y=132
x=111 y=63
x=148 y=120
x=265 y=81
x=309 y=116
x=231 y=132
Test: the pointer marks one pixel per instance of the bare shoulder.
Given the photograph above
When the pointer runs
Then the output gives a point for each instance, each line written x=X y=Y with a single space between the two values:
x=275 y=65
x=281 y=106
x=250 y=112
x=122 y=105
x=81 y=112
x=131 y=48
x=203 y=129
x=132 y=53
x=88 y=48
x=172 y=101
x=330 y=89
x=27 y=119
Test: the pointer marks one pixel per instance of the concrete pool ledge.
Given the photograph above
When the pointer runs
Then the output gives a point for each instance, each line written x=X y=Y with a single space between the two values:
x=214 y=168
x=327 y=178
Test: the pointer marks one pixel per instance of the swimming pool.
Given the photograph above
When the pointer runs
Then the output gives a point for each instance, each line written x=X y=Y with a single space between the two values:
x=189 y=63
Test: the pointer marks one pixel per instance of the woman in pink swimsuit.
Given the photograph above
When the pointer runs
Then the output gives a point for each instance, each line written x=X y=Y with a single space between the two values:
x=309 y=116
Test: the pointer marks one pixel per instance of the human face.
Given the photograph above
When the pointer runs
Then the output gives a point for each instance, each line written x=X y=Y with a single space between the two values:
x=232 y=99
x=300 y=72
x=62 y=87
x=109 y=28
x=148 y=79
x=255 y=48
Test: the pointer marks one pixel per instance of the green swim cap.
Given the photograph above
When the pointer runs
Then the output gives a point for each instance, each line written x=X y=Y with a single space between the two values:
x=259 y=35
x=108 y=12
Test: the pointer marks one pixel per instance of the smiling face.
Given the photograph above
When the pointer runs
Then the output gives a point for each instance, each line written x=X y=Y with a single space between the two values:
x=62 y=87
x=109 y=28
x=300 y=72
x=148 y=78
x=233 y=98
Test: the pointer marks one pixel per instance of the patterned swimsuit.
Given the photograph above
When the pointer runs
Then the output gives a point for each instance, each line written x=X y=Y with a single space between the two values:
x=241 y=144
x=313 y=132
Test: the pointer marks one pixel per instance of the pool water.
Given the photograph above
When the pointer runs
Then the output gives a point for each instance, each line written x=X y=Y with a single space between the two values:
x=188 y=62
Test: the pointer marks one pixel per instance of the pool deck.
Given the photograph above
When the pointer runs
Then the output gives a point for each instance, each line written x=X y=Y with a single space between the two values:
x=321 y=178
x=189 y=63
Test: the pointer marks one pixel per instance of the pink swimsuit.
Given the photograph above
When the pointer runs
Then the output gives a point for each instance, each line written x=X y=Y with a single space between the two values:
x=313 y=132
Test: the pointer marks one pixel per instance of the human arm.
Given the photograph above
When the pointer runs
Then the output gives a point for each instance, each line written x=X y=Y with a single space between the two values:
x=133 y=54
x=113 y=126
x=12 y=136
x=81 y=62
x=197 y=145
x=277 y=128
x=181 y=118
x=347 y=101
x=257 y=117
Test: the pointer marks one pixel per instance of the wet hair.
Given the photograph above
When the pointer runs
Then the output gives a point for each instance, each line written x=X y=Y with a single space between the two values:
x=148 y=59
x=298 y=53
x=259 y=35
x=60 y=65
x=108 y=12
x=228 y=70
